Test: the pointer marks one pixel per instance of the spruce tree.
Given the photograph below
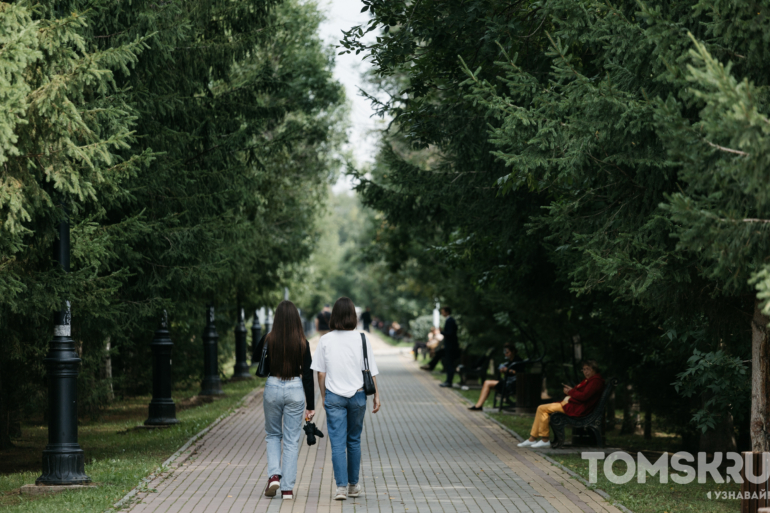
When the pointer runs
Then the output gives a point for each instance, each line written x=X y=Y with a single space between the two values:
x=587 y=111
x=194 y=144
x=64 y=125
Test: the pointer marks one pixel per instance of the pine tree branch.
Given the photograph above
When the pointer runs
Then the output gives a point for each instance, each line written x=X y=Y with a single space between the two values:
x=727 y=150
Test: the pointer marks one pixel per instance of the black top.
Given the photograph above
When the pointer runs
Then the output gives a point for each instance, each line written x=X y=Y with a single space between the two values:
x=366 y=317
x=515 y=364
x=305 y=371
x=323 y=321
x=450 y=335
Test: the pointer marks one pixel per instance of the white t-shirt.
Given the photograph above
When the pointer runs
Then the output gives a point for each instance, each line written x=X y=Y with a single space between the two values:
x=341 y=356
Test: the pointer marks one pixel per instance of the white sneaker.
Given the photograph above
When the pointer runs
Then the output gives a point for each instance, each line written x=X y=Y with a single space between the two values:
x=542 y=445
x=342 y=494
x=354 y=490
x=527 y=443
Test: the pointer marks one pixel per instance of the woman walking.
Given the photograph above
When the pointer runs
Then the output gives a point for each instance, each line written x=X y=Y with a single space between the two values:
x=289 y=393
x=339 y=361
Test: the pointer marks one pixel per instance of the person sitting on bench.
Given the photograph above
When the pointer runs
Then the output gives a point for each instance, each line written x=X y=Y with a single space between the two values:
x=579 y=402
x=434 y=345
x=508 y=371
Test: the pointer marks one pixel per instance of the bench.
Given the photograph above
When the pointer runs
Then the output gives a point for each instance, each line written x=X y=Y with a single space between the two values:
x=476 y=370
x=505 y=396
x=525 y=387
x=593 y=421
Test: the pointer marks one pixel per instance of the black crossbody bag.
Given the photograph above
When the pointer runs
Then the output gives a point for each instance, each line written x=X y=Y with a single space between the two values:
x=369 y=388
x=262 y=370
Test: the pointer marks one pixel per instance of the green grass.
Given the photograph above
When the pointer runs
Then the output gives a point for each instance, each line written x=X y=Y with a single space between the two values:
x=473 y=396
x=392 y=341
x=116 y=460
x=656 y=497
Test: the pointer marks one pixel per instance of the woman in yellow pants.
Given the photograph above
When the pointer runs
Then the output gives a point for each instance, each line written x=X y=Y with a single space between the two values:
x=579 y=401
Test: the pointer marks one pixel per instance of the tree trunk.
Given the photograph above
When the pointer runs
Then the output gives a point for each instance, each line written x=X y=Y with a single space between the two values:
x=630 y=412
x=760 y=382
x=5 y=418
x=610 y=413
x=648 y=422
x=721 y=438
x=108 y=369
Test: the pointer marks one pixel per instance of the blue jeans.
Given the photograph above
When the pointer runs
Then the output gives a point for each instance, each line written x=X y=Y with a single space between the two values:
x=283 y=401
x=344 y=422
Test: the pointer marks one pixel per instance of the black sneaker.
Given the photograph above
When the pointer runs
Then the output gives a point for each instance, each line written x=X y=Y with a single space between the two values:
x=476 y=408
x=445 y=385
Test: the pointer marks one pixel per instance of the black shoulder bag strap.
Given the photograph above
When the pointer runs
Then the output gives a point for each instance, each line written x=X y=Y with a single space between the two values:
x=369 y=388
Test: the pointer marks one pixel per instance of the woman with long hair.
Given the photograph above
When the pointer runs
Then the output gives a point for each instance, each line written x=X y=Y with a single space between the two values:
x=339 y=361
x=289 y=393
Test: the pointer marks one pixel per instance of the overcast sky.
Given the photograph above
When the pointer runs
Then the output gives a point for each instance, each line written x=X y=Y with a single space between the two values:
x=342 y=15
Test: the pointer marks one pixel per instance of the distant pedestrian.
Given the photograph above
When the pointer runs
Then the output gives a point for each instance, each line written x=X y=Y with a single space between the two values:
x=339 y=360
x=322 y=321
x=289 y=392
x=451 y=346
x=366 y=317
x=435 y=345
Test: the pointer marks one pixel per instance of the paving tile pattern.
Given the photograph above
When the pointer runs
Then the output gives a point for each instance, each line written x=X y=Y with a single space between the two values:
x=423 y=452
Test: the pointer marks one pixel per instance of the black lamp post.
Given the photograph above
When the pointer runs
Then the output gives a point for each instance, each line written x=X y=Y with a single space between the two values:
x=241 y=370
x=63 y=462
x=162 y=407
x=256 y=334
x=211 y=384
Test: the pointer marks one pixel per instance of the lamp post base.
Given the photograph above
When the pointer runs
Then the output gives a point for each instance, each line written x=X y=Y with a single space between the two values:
x=211 y=387
x=63 y=464
x=162 y=413
x=241 y=372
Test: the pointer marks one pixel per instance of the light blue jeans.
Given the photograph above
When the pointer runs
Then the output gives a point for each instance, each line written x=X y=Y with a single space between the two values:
x=284 y=403
x=344 y=422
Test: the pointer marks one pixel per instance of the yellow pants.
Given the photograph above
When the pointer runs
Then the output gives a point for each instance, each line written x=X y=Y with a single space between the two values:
x=542 y=425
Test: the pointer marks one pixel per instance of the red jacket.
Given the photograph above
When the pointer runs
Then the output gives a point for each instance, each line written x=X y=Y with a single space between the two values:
x=583 y=398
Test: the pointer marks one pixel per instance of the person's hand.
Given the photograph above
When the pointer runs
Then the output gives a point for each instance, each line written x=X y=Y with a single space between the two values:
x=566 y=389
x=309 y=414
x=511 y=371
x=376 y=403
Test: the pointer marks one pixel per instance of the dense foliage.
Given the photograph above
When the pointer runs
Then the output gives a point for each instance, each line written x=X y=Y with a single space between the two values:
x=190 y=144
x=562 y=169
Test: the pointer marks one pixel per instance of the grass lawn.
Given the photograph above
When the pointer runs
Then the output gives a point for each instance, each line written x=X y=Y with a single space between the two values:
x=116 y=459
x=392 y=341
x=471 y=394
x=655 y=497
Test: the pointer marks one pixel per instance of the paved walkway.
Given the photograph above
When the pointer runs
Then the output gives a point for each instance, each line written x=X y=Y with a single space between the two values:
x=423 y=452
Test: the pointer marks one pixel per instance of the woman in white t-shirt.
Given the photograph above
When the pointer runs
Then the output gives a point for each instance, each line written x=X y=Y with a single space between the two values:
x=339 y=360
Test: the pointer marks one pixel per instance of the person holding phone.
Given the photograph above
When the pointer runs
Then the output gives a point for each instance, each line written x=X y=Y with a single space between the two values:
x=579 y=401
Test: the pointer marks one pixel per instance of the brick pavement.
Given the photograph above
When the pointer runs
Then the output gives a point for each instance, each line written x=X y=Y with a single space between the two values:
x=423 y=452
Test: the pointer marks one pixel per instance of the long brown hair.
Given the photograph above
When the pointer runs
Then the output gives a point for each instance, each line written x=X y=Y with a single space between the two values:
x=286 y=342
